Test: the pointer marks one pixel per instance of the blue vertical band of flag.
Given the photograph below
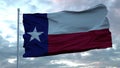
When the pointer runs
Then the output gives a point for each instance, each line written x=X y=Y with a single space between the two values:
x=35 y=47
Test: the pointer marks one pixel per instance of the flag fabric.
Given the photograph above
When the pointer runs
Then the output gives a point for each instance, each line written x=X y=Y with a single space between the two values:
x=66 y=32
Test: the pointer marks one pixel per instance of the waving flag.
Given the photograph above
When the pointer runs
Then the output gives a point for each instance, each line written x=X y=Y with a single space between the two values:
x=66 y=32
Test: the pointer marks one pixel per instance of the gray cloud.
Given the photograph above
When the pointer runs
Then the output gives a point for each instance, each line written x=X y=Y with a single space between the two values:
x=79 y=4
x=6 y=52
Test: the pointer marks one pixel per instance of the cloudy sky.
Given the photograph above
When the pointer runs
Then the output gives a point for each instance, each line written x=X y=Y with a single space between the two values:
x=103 y=58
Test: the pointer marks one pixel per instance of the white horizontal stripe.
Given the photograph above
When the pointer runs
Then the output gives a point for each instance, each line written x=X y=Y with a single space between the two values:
x=78 y=21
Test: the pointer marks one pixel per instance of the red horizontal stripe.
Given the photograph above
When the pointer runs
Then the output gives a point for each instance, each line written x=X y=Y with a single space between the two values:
x=77 y=42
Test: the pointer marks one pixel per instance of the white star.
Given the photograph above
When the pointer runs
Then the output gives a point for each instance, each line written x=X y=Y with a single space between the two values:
x=35 y=34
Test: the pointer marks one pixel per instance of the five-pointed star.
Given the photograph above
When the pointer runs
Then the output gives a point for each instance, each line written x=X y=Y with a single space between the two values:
x=35 y=34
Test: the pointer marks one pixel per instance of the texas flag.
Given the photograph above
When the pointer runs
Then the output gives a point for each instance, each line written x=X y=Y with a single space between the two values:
x=66 y=32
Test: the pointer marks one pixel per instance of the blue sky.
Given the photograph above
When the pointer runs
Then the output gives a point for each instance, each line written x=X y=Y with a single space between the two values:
x=102 y=58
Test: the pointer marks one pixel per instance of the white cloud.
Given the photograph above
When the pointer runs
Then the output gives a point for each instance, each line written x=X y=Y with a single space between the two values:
x=114 y=46
x=12 y=60
x=67 y=63
x=84 y=54
x=7 y=31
